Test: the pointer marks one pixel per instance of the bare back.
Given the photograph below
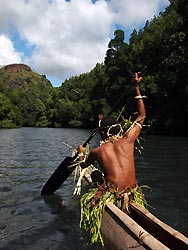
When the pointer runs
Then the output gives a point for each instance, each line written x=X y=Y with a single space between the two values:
x=117 y=162
x=117 y=159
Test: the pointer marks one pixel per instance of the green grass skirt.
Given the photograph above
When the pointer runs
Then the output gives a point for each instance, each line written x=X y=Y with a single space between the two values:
x=93 y=203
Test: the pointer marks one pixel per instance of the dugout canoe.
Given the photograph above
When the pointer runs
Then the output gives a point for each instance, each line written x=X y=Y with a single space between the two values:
x=139 y=230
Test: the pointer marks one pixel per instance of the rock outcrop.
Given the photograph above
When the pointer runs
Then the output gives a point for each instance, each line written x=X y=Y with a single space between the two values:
x=16 y=67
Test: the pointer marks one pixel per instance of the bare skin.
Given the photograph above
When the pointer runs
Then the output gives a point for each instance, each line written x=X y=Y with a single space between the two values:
x=117 y=158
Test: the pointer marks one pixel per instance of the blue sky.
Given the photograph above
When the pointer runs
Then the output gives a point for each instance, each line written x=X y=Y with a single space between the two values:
x=61 y=39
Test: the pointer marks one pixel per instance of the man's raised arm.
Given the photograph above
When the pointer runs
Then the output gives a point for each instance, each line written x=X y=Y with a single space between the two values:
x=139 y=99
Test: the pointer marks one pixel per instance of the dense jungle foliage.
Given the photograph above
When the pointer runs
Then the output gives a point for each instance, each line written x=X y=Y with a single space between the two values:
x=159 y=50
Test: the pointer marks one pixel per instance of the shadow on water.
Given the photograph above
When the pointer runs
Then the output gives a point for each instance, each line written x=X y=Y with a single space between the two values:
x=163 y=167
x=60 y=231
x=55 y=203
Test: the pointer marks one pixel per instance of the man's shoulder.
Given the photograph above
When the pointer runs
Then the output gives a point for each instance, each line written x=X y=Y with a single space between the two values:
x=96 y=149
x=102 y=148
x=125 y=140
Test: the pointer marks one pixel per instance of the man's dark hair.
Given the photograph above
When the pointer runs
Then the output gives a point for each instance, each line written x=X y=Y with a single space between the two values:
x=106 y=125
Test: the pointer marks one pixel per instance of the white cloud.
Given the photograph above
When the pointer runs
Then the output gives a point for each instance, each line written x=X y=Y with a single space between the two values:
x=69 y=38
x=134 y=13
x=8 y=54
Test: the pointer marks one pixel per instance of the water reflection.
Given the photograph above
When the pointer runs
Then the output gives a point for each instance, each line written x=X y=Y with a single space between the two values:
x=55 y=203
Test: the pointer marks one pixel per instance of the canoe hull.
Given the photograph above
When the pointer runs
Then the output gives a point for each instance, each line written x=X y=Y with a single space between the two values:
x=141 y=230
x=118 y=236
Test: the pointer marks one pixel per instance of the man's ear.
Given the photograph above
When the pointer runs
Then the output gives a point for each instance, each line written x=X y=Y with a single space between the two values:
x=101 y=132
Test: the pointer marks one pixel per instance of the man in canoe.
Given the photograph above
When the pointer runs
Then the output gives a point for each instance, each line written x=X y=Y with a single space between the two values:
x=115 y=156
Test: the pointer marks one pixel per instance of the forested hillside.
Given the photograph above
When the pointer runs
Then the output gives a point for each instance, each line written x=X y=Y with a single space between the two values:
x=159 y=50
x=25 y=97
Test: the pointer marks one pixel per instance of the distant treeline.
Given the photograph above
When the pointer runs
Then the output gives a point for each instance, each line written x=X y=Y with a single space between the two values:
x=159 y=50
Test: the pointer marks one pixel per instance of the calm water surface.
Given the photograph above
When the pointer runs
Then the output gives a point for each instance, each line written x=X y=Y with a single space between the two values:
x=28 y=156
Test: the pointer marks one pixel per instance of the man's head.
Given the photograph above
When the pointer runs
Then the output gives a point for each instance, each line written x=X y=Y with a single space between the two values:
x=108 y=127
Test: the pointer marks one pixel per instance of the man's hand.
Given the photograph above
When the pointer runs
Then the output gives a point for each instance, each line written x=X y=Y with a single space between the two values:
x=81 y=149
x=137 y=78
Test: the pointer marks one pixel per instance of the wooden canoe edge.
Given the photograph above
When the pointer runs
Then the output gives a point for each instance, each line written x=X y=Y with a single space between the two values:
x=141 y=234
x=176 y=234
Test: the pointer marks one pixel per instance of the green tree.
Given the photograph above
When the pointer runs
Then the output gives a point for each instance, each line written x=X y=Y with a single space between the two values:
x=10 y=115
x=117 y=66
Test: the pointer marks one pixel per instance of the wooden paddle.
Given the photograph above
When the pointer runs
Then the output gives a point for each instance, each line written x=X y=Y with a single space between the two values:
x=64 y=170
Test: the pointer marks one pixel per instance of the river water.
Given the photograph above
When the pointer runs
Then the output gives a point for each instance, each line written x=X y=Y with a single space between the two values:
x=28 y=156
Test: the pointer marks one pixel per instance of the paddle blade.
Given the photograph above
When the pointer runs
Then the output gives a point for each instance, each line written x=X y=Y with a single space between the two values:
x=58 y=177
